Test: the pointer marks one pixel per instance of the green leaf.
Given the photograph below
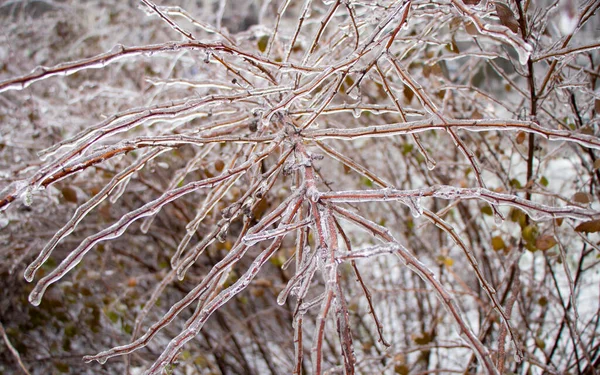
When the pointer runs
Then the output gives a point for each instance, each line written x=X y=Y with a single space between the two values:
x=367 y=182
x=515 y=183
x=487 y=210
x=544 y=181
x=113 y=316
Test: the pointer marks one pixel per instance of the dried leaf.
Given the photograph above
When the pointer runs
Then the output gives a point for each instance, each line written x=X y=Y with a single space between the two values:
x=219 y=165
x=69 y=194
x=521 y=137
x=507 y=17
x=401 y=369
x=426 y=70
x=471 y=2
x=471 y=29
x=582 y=197
x=591 y=226
x=423 y=339
x=455 y=23
x=545 y=242
x=597 y=105
x=596 y=164
x=408 y=94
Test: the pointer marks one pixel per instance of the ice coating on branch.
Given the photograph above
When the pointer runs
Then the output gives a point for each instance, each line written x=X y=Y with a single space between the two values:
x=414 y=203
x=302 y=274
x=253 y=239
x=498 y=218
x=524 y=52
x=313 y=193
x=27 y=197
x=430 y=163
x=568 y=18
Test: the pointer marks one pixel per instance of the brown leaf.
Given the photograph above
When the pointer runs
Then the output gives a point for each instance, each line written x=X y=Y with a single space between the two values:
x=597 y=106
x=219 y=165
x=471 y=2
x=521 y=137
x=545 y=242
x=408 y=94
x=582 y=197
x=507 y=17
x=596 y=164
x=69 y=194
x=591 y=226
x=471 y=29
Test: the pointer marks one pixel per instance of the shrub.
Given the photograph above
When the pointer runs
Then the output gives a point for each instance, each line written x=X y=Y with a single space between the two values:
x=289 y=179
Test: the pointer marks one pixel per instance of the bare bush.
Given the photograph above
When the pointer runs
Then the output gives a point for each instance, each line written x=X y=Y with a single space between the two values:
x=302 y=187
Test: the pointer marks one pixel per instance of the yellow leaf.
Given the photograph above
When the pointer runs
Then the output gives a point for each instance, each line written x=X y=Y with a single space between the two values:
x=262 y=43
x=529 y=233
x=540 y=343
x=447 y=261
x=498 y=243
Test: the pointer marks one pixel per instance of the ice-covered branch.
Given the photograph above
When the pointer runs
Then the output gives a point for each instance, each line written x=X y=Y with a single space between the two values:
x=535 y=210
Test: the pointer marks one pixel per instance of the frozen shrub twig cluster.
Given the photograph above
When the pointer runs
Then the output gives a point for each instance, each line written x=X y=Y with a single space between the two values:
x=297 y=137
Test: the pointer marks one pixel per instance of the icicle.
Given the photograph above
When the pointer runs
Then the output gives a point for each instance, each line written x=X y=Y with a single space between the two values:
x=414 y=204
x=498 y=218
